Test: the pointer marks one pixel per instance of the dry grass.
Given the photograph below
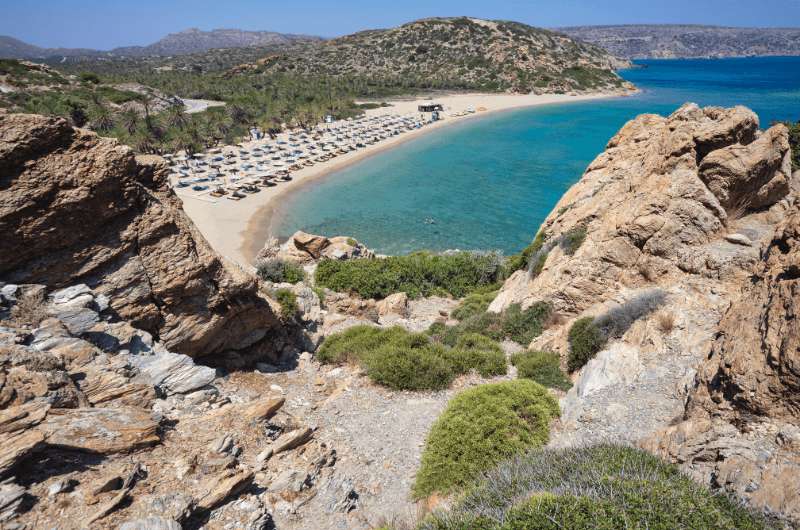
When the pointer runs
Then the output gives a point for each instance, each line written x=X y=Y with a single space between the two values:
x=30 y=309
x=665 y=321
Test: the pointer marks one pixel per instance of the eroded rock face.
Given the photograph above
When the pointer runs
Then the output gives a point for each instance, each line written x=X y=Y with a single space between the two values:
x=740 y=430
x=307 y=249
x=78 y=208
x=663 y=201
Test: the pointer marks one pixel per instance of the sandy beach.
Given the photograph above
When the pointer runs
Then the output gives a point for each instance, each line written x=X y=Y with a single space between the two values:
x=238 y=229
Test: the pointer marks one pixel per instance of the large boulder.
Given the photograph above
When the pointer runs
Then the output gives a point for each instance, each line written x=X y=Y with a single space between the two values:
x=77 y=208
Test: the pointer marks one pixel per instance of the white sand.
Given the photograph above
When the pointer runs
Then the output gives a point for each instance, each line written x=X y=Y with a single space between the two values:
x=238 y=229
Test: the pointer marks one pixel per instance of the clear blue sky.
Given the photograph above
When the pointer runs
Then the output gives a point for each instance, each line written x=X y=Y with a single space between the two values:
x=108 y=23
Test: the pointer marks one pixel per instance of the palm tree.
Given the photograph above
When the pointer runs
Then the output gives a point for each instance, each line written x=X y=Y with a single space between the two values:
x=102 y=118
x=176 y=116
x=130 y=120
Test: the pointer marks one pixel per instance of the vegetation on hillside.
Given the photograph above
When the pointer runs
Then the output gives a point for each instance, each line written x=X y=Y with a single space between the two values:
x=402 y=360
x=794 y=141
x=455 y=53
x=543 y=367
x=516 y=324
x=604 y=487
x=481 y=427
x=417 y=274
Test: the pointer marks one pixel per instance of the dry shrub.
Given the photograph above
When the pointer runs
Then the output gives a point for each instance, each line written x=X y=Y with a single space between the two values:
x=665 y=321
x=30 y=308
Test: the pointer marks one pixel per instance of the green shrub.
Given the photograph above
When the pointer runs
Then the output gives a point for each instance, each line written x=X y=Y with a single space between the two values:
x=481 y=427
x=276 y=270
x=521 y=260
x=288 y=302
x=524 y=326
x=89 y=77
x=602 y=487
x=404 y=368
x=474 y=304
x=403 y=360
x=418 y=274
x=543 y=367
x=585 y=340
x=572 y=240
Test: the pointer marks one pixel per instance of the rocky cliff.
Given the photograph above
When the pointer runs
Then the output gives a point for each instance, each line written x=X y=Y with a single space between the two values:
x=78 y=208
x=741 y=429
x=655 y=243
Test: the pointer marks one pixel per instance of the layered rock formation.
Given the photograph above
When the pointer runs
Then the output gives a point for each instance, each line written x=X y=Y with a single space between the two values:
x=78 y=208
x=741 y=429
x=656 y=241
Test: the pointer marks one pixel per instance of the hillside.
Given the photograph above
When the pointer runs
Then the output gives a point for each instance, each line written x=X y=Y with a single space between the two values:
x=457 y=53
x=182 y=43
x=672 y=41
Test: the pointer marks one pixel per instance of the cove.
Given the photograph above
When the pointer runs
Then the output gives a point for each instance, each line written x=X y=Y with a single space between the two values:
x=488 y=183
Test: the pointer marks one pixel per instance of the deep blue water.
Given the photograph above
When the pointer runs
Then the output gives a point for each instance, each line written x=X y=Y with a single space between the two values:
x=488 y=183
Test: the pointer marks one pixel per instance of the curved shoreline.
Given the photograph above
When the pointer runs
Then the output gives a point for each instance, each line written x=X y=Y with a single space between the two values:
x=238 y=230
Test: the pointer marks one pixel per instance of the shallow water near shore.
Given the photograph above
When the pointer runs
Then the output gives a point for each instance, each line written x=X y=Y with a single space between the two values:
x=489 y=183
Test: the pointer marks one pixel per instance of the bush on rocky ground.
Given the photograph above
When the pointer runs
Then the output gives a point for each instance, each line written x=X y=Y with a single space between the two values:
x=585 y=340
x=418 y=274
x=544 y=367
x=794 y=142
x=522 y=260
x=521 y=326
x=475 y=303
x=481 y=427
x=402 y=360
x=572 y=240
x=617 y=320
x=603 y=487
x=288 y=302
x=276 y=270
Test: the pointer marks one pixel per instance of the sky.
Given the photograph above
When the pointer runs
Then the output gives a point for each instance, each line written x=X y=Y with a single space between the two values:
x=104 y=24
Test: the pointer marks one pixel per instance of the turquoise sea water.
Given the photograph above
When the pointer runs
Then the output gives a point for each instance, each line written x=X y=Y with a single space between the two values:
x=488 y=183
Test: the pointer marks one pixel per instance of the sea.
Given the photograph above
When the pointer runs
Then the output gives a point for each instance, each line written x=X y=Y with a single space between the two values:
x=488 y=183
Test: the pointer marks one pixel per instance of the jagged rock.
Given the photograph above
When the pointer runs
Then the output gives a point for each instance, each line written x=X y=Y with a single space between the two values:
x=107 y=387
x=173 y=373
x=69 y=294
x=150 y=523
x=22 y=417
x=61 y=486
x=262 y=409
x=306 y=249
x=18 y=445
x=751 y=176
x=644 y=203
x=394 y=304
x=78 y=208
x=27 y=374
x=11 y=497
x=221 y=488
x=291 y=439
x=747 y=390
x=101 y=430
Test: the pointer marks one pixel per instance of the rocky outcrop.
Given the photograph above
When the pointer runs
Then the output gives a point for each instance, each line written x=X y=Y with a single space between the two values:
x=107 y=428
x=682 y=206
x=661 y=203
x=740 y=429
x=307 y=249
x=78 y=208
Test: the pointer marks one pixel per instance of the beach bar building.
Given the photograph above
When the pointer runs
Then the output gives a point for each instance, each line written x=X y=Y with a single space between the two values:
x=433 y=107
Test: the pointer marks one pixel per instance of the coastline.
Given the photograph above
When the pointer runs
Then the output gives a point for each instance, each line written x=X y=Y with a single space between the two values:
x=239 y=229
